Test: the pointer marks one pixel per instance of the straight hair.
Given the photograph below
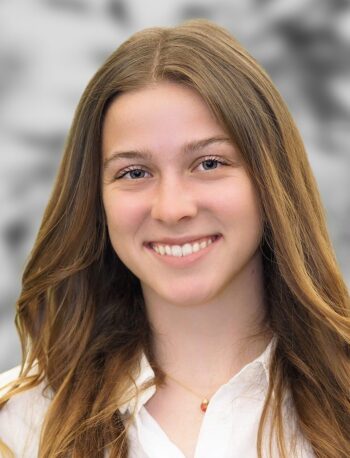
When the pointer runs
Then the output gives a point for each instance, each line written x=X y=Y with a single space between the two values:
x=81 y=316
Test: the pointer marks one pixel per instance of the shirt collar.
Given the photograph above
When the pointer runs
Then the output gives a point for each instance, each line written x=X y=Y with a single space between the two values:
x=138 y=396
x=146 y=373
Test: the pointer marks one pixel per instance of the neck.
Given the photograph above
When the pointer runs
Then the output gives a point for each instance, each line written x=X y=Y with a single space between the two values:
x=206 y=344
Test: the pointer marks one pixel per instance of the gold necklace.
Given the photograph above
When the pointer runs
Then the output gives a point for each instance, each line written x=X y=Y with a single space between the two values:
x=205 y=401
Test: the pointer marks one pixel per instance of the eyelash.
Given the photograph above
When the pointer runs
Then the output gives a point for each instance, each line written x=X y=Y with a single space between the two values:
x=132 y=168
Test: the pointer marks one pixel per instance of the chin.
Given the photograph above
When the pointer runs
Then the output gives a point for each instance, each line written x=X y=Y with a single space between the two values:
x=189 y=297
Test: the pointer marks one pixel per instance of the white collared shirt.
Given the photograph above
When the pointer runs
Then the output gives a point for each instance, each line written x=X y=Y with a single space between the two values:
x=229 y=427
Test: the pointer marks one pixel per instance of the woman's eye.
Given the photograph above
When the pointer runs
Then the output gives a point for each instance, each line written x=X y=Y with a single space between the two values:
x=134 y=172
x=211 y=163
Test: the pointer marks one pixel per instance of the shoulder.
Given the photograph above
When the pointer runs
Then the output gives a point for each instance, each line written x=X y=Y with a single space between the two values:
x=22 y=416
x=7 y=377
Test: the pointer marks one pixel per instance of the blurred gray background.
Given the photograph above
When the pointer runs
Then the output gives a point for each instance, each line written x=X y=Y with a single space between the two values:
x=49 y=49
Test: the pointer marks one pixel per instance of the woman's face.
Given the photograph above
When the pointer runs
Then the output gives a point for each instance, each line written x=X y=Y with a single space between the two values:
x=172 y=177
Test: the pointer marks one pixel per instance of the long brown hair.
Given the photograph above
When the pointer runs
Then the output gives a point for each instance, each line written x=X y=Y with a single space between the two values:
x=81 y=315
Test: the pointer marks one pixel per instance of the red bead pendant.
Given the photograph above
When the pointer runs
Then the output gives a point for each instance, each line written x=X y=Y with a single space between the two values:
x=204 y=405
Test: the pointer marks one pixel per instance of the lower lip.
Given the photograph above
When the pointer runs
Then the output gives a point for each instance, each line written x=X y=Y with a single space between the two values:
x=183 y=261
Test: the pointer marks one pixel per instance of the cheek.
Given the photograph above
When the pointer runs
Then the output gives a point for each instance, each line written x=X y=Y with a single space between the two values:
x=123 y=214
x=239 y=205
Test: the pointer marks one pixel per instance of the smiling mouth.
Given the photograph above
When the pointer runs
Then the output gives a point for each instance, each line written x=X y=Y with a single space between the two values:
x=185 y=250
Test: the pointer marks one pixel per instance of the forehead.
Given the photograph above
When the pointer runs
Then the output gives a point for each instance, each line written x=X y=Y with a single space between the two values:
x=163 y=114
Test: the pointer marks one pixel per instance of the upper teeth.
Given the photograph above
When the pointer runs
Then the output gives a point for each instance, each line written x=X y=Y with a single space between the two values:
x=181 y=250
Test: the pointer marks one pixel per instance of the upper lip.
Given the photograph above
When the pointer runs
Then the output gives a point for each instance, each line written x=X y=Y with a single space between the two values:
x=181 y=240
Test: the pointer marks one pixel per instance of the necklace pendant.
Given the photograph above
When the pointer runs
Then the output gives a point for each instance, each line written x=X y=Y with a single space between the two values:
x=204 y=405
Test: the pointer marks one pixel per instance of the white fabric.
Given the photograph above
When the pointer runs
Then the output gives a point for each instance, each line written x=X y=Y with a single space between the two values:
x=229 y=427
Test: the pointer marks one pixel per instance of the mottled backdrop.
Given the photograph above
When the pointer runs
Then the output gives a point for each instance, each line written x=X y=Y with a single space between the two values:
x=49 y=49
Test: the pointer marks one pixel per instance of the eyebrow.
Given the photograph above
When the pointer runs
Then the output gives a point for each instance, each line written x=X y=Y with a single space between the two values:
x=188 y=148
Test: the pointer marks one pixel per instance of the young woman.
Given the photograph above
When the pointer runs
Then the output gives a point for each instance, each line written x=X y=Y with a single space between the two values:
x=182 y=297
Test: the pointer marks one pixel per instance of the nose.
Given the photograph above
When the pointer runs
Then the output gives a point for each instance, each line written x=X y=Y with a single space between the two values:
x=173 y=201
